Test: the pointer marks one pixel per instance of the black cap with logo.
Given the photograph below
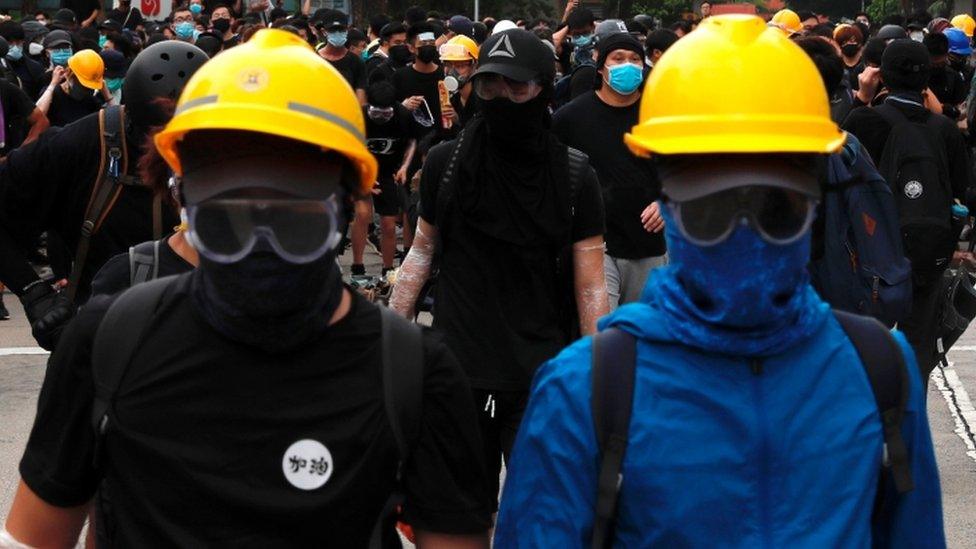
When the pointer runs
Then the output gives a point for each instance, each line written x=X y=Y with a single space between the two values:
x=517 y=54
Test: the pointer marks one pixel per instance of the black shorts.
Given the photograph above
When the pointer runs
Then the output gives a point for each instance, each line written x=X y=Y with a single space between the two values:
x=387 y=203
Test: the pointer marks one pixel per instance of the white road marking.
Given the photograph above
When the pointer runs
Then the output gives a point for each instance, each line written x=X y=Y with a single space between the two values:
x=961 y=408
x=9 y=351
x=963 y=348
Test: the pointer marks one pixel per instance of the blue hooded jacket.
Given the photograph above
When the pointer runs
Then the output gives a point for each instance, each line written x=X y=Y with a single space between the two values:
x=719 y=455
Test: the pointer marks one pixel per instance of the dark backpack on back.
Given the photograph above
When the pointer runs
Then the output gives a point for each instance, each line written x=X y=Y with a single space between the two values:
x=862 y=267
x=612 y=378
x=915 y=165
x=125 y=325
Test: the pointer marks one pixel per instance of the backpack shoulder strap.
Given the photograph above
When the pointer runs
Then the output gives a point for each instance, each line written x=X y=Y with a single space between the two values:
x=445 y=191
x=403 y=378
x=105 y=191
x=578 y=163
x=612 y=382
x=143 y=262
x=116 y=341
x=887 y=372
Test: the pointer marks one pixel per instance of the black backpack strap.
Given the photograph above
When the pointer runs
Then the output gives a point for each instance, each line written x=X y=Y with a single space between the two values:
x=143 y=262
x=578 y=164
x=445 y=191
x=614 y=364
x=885 y=366
x=402 y=351
x=116 y=341
x=105 y=191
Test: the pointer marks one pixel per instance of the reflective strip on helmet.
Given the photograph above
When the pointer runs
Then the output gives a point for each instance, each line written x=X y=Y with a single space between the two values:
x=319 y=113
x=205 y=100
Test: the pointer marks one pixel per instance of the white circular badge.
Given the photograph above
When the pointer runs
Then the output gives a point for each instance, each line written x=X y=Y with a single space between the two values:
x=913 y=189
x=307 y=464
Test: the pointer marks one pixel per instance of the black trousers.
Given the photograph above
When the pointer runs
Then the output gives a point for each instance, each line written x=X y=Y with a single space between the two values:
x=921 y=327
x=499 y=416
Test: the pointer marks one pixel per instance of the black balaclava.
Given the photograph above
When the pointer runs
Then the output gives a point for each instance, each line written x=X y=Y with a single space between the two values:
x=262 y=301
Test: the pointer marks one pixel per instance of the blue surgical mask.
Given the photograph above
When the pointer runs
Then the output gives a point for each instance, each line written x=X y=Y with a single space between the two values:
x=337 y=38
x=625 y=78
x=365 y=55
x=59 y=57
x=114 y=84
x=15 y=53
x=195 y=9
x=102 y=39
x=582 y=40
x=184 y=29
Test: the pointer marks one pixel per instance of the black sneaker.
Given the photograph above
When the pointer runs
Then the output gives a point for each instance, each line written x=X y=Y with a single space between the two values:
x=4 y=313
x=374 y=242
x=358 y=269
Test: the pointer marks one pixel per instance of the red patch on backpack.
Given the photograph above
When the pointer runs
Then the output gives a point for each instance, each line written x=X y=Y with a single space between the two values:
x=869 y=223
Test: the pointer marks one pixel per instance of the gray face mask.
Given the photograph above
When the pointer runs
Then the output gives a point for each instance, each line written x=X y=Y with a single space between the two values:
x=35 y=48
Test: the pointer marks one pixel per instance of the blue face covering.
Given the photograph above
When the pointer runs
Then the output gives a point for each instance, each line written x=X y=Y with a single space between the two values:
x=743 y=297
x=184 y=29
x=625 y=78
x=195 y=9
x=582 y=40
x=15 y=53
x=102 y=40
x=114 y=84
x=59 y=57
x=337 y=39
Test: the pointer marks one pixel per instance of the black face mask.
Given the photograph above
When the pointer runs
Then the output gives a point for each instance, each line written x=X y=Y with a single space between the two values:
x=957 y=63
x=221 y=25
x=266 y=302
x=400 y=54
x=525 y=139
x=850 y=50
x=427 y=54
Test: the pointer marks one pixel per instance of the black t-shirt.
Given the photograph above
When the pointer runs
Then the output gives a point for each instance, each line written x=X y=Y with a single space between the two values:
x=388 y=142
x=46 y=185
x=82 y=8
x=211 y=440
x=17 y=108
x=466 y=111
x=64 y=109
x=115 y=275
x=352 y=69
x=31 y=75
x=409 y=82
x=498 y=304
x=129 y=19
x=629 y=183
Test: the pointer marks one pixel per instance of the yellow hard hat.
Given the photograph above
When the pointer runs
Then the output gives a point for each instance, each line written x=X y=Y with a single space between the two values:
x=965 y=23
x=788 y=21
x=88 y=68
x=459 y=48
x=734 y=86
x=274 y=84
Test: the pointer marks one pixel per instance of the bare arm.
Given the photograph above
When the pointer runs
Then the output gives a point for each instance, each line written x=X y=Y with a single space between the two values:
x=591 y=287
x=361 y=96
x=91 y=18
x=36 y=523
x=432 y=540
x=306 y=7
x=38 y=123
x=44 y=101
x=416 y=269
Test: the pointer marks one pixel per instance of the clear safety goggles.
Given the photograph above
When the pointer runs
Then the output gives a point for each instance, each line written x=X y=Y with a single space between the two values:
x=495 y=86
x=455 y=51
x=297 y=230
x=780 y=216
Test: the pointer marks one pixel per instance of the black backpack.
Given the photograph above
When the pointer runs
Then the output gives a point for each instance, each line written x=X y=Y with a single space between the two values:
x=614 y=365
x=128 y=319
x=915 y=165
x=144 y=262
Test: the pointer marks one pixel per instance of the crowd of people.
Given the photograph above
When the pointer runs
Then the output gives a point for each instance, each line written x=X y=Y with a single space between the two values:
x=687 y=282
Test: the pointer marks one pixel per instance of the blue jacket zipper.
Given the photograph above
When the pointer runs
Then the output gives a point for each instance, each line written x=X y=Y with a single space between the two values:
x=756 y=366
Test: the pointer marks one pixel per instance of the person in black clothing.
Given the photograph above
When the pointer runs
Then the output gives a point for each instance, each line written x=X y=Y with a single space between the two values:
x=657 y=43
x=513 y=204
x=222 y=23
x=29 y=72
x=391 y=135
x=129 y=17
x=393 y=53
x=595 y=123
x=416 y=84
x=459 y=56
x=67 y=100
x=333 y=30
x=905 y=71
x=45 y=186
x=86 y=11
x=23 y=121
x=257 y=399
x=945 y=82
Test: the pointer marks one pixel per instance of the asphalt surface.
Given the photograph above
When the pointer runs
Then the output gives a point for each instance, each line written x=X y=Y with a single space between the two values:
x=951 y=394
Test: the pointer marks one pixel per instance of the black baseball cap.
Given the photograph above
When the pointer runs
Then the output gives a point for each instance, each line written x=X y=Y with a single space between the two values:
x=517 y=54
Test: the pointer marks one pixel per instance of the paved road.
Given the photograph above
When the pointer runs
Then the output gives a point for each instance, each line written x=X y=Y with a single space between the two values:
x=950 y=408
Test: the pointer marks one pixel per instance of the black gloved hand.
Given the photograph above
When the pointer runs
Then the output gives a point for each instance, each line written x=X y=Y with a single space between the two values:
x=48 y=312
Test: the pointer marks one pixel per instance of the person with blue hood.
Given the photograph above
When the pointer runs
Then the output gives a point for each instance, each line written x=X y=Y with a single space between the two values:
x=729 y=406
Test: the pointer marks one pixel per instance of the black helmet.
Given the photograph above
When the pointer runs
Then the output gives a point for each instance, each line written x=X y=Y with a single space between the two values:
x=161 y=70
x=892 y=32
